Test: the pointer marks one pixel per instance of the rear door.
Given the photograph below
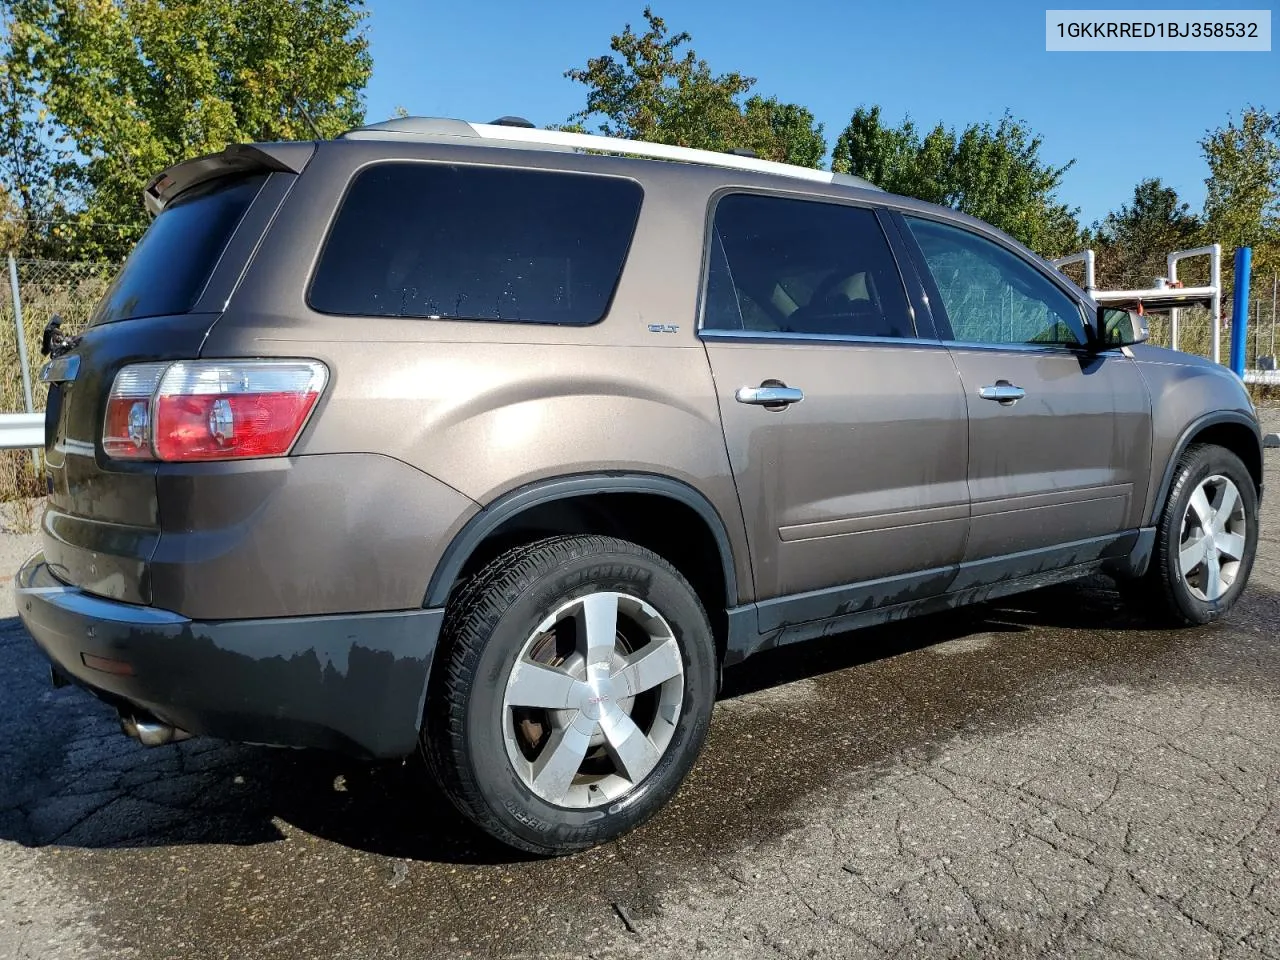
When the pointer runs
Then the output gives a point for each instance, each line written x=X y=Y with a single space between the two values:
x=101 y=524
x=845 y=425
x=1059 y=434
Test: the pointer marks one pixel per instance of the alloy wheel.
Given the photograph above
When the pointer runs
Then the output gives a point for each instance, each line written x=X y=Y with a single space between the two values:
x=593 y=700
x=1212 y=543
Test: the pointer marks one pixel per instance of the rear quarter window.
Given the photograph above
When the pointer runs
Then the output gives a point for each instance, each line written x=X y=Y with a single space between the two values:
x=459 y=242
x=171 y=264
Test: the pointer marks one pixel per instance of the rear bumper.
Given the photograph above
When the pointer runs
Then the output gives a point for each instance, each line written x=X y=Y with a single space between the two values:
x=355 y=683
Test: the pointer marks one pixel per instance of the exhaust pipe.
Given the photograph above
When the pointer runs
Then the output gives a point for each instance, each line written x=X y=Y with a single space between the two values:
x=150 y=732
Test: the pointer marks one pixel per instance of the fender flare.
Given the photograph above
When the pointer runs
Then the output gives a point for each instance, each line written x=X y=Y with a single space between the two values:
x=1184 y=441
x=535 y=494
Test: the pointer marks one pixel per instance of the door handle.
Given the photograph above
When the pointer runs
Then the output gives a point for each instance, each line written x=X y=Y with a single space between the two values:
x=1002 y=392
x=772 y=395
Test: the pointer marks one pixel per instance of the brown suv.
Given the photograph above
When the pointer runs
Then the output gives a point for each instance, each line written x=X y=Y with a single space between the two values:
x=476 y=438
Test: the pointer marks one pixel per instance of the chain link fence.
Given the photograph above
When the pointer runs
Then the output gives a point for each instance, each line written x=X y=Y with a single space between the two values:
x=44 y=288
x=1195 y=332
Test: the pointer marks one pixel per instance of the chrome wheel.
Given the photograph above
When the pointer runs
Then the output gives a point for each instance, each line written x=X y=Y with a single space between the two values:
x=593 y=700
x=1212 y=543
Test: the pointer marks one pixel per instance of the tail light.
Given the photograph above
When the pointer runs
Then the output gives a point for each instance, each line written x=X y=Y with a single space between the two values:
x=210 y=409
x=126 y=434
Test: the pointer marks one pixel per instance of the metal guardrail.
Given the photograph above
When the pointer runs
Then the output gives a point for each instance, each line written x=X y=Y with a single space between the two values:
x=19 y=431
x=1268 y=377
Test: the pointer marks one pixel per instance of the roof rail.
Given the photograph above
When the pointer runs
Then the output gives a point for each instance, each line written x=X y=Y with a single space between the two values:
x=434 y=128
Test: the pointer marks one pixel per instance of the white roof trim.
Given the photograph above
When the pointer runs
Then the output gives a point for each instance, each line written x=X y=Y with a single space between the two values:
x=657 y=151
x=435 y=129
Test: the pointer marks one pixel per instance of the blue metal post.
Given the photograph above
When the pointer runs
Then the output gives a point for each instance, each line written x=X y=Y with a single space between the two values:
x=1240 y=309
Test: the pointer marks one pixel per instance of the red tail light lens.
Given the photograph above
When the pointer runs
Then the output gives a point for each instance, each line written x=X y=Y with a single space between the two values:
x=208 y=410
x=126 y=434
x=215 y=410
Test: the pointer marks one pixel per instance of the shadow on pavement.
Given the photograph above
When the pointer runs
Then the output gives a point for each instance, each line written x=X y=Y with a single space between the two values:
x=70 y=777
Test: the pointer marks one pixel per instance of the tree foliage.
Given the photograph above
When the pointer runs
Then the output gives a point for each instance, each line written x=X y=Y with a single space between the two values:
x=1133 y=242
x=1242 y=202
x=995 y=173
x=136 y=85
x=655 y=87
x=786 y=132
x=28 y=151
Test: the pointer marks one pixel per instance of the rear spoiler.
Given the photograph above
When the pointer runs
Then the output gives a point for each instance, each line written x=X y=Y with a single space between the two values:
x=236 y=158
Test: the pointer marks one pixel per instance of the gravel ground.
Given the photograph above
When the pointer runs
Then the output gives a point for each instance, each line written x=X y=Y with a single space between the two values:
x=1041 y=777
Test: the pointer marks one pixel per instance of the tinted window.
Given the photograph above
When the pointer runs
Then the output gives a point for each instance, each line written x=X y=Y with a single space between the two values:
x=992 y=295
x=796 y=266
x=171 y=264
x=477 y=243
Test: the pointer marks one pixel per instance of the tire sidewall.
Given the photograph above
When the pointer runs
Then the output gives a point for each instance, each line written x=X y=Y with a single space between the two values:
x=519 y=809
x=1202 y=463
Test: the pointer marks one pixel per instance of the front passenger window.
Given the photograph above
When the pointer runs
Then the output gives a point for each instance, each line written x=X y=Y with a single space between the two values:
x=991 y=295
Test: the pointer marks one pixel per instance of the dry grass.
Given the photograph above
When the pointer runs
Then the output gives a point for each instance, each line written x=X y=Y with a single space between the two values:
x=21 y=515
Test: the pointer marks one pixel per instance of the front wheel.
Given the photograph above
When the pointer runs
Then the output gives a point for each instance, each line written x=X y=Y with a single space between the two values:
x=575 y=694
x=1205 y=541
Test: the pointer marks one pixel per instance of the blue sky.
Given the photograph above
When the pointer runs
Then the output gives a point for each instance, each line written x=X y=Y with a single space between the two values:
x=1122 y=117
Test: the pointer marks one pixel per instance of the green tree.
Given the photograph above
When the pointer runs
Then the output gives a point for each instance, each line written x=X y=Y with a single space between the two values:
x=785 y=132
x=892 y=157
x=1133 y=242
x=655 y=87
x=137 y=85
x=28 y=153
x=12 y=225
x=995 y=173
x=1242 y=202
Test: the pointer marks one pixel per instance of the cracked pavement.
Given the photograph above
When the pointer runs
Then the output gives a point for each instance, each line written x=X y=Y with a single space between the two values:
x=1037 y=777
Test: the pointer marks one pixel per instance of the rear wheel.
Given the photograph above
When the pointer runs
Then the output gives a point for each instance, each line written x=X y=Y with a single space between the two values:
x=575 y=694
x=1205 y=540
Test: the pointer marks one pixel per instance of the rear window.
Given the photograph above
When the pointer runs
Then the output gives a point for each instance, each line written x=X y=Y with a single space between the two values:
x=477 y=243
x=172 y=262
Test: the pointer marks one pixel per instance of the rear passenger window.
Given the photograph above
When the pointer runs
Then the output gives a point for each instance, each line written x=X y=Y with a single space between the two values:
x=798 y=266
x=476 y=243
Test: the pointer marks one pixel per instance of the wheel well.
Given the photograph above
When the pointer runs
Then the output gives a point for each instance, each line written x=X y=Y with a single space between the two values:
x=669 y=528
x=1240 y=440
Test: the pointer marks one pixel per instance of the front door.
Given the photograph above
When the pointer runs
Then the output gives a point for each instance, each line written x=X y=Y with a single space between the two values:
x=1059 y=435
x=845 y=431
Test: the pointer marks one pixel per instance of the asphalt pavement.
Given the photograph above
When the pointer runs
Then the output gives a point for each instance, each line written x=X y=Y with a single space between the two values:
x=1040 y=777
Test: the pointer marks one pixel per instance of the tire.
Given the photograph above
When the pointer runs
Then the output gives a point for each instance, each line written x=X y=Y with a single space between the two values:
x=1176 y=589
x=520 y=630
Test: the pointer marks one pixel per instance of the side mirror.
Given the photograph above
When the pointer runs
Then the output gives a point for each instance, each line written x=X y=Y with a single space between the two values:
x=1121 y=328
